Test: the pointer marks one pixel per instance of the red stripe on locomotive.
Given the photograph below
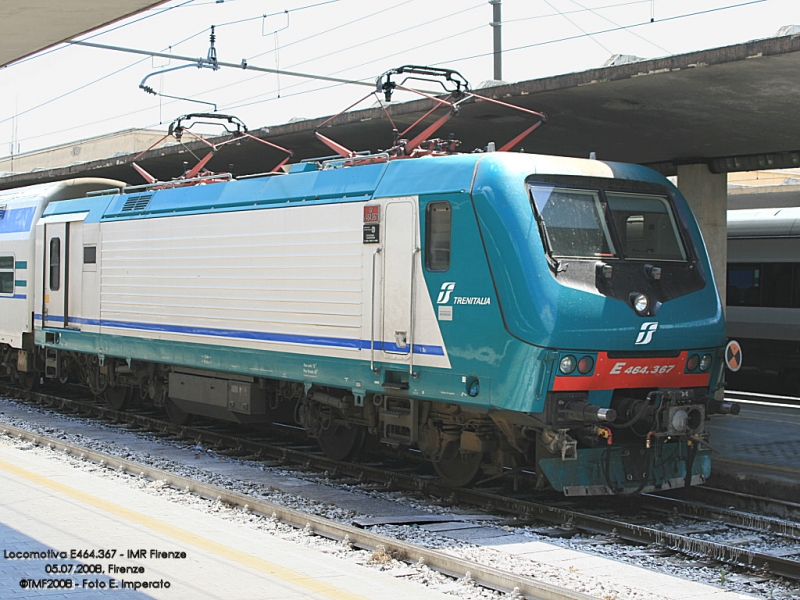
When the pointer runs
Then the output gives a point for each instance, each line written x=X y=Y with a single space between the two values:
x=616 y=373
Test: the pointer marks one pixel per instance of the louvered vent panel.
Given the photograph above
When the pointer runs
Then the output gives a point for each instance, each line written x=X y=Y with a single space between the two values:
x=136 y=203
x=2 y=211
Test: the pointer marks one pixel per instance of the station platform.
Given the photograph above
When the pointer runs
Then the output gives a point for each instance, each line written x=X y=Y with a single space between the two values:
x=171 y=551
x=757 y=451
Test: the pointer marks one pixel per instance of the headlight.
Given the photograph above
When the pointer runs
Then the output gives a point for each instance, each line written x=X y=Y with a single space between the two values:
x=692 y=363
x=641 y=303
x=705 y=362
x=585 y=365
x=567 y=364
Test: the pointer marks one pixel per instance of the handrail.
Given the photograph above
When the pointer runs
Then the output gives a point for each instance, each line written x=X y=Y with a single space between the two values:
x=414 y=253
x=372 y=316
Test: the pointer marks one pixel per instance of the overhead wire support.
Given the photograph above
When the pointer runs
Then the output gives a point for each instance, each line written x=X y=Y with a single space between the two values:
x=243 y=65
x=210 y=62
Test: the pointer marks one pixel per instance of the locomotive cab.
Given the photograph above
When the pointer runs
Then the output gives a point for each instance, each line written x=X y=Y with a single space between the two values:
x=624 y=308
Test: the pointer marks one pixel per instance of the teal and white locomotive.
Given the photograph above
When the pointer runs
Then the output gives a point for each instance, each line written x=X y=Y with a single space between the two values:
x=495 y=312
x=498 y=312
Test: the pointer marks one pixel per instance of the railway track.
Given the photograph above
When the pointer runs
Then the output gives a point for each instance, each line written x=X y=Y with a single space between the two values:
x=313 y=524
x=602 y=519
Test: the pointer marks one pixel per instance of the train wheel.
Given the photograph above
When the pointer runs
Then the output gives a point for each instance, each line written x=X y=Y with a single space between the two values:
x=340 y=442
x=461 y=470
x=176 y=414
x=118 y=397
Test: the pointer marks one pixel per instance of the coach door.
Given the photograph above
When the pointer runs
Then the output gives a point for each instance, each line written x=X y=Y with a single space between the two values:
x=400 y=248
x=55 y=275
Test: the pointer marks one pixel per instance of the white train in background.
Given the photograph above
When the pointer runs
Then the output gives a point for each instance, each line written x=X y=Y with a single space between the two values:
x=763 y=298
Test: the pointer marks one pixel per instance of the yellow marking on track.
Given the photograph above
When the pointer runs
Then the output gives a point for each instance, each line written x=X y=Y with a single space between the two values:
x=289 y=575
x=757 y=465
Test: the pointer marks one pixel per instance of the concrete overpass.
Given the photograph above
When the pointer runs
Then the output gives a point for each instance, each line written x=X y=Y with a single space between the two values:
x=698 y=116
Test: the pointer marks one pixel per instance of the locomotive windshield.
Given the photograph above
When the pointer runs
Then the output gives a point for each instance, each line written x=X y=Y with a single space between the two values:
x=581 y=223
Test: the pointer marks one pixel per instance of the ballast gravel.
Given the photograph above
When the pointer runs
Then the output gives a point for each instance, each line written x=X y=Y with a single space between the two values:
x=25 y=417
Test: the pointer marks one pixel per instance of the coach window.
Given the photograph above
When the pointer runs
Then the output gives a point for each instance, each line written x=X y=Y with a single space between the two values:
x=6 y=275
x=777 y=285
x=437 y=236
x=744 y=285
x=55 y=264
x=768 y=285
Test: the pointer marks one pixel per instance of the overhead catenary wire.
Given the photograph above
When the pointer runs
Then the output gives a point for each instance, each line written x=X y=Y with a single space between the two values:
x=243 y=65
x=574 y=24
x=571 y=12
x=449 y=61
x=594 y=11
x=258 y=17
x=610 y=30
x=244 y=101
x=169 y=56
x=312 y=36
x=153 y=13
x=290 y=73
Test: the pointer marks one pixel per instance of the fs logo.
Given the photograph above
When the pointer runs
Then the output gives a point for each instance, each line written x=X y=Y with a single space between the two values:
x=444 y=293
x=646 y=333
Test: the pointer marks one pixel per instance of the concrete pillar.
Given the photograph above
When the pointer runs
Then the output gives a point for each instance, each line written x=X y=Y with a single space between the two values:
x=707 y=195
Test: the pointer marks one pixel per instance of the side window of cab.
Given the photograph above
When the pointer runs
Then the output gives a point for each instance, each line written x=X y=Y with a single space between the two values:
x=437 y=236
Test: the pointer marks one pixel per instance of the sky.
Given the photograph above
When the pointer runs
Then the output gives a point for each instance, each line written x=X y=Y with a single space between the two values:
x=70 y=93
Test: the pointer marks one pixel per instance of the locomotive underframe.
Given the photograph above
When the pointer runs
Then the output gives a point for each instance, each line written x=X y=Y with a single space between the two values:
x=649 y=439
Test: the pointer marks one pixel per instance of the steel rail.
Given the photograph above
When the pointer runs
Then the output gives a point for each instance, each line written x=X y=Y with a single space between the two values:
x=734 y=517
x=780 y=509
x=493 y=578
x=526 y=509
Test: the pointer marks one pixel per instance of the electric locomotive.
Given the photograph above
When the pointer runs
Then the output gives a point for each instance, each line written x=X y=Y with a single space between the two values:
x=494 y=312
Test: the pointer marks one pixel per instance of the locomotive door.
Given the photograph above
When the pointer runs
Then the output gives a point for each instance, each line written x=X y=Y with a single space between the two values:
x=55 y=275
x=398 y=268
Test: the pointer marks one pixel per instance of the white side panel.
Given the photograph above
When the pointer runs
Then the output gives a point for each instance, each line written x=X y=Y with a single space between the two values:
x=398 y=261
x=288 y=272
x=88 y=311
x=293 y=279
